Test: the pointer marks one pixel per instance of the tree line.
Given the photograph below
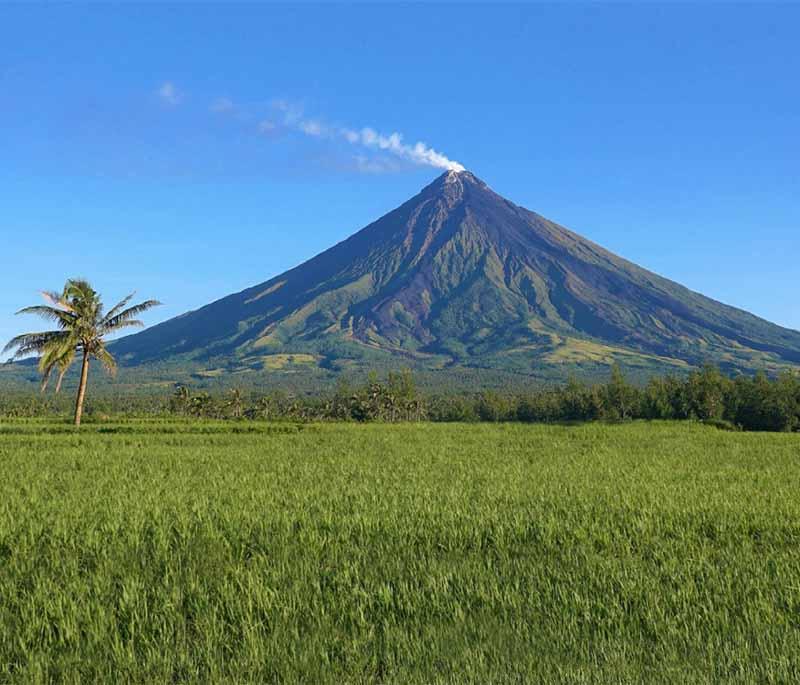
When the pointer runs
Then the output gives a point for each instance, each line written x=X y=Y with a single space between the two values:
x=753 y=403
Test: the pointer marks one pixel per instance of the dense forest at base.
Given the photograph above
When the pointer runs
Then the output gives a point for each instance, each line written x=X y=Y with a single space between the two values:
x=755 y=403
x=296 y=377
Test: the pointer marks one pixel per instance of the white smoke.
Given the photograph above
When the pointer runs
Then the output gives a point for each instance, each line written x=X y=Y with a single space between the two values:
x=418 y=153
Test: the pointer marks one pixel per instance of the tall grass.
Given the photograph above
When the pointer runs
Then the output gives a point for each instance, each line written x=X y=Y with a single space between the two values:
x=160 y=553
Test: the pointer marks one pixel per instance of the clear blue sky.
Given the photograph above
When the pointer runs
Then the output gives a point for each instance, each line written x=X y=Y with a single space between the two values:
x=189 y=151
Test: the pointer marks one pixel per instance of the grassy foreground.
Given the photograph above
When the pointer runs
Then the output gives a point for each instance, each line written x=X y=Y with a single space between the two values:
x=248 y=553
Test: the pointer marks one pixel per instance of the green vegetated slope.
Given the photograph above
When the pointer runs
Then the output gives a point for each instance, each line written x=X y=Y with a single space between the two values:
x=458 y=279
x=251 y=553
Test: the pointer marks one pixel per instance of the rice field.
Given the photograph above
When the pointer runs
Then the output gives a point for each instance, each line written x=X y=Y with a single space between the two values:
x=202 y=552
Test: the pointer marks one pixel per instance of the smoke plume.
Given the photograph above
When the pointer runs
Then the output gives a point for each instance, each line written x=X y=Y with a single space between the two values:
x=417 y=153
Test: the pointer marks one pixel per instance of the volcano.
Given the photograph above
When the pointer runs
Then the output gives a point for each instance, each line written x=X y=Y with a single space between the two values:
x=458 y=277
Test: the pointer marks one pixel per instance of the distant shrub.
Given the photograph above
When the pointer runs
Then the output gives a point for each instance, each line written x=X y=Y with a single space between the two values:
x=722 y=424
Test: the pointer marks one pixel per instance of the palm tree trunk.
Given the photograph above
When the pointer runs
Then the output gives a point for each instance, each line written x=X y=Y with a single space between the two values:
x=82 y=389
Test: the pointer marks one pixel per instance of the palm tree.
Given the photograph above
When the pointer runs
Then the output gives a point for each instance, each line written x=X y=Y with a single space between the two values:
x=181 y=399
x=82 y=326
x=235 y=403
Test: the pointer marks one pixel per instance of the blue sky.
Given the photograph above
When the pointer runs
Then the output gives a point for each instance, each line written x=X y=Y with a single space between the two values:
x=190 y=151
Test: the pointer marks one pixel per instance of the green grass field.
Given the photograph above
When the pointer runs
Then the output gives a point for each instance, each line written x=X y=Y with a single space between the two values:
x=155 y=552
